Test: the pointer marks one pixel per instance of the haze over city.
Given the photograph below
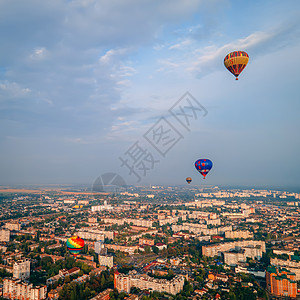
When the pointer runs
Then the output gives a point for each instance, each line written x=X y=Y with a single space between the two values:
x=82 y=81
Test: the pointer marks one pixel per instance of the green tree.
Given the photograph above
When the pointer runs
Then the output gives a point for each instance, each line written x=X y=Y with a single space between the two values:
x=155 y=249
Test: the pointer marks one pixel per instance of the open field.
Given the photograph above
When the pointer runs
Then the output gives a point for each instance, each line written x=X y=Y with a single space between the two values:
x=40 y=191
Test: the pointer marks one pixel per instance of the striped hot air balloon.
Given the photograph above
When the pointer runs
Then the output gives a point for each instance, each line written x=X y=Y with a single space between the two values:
x=235 y=62
x=75 y=245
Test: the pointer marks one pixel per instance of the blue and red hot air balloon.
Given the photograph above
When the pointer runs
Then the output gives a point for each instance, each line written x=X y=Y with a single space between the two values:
x=75 y=245
x=203 y=166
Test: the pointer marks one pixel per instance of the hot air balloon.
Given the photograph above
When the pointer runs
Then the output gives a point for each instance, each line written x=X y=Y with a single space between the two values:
x=235 y=62
x=75 y=245
x=188 y=180
x=203 y=166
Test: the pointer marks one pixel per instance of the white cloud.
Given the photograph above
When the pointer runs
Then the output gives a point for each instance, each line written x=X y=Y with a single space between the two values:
x=166 y=65
x=200 y=61
x=12 y=91
x=182 y=44
x=113 y=54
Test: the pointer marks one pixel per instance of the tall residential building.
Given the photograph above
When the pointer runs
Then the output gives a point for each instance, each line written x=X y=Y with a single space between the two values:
x=98 y=246
x=21 y=269
x=281 y=282
x=124 y=282
x=4 y=235
x=16 y=289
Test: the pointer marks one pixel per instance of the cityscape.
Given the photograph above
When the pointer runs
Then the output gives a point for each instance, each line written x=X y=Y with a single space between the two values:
x=150 y=243
x=149 y=150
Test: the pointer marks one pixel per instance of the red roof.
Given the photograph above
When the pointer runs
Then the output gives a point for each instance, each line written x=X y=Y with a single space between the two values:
x=160 y=244
x=73 y=270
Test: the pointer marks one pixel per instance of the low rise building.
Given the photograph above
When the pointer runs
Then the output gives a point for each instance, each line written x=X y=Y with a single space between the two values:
x=103 y=295
x=217 y=277
x=144 y=241
x=62 y=274
x=256 y=273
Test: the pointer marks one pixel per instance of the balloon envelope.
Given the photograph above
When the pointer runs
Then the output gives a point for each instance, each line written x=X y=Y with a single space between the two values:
x=203 y=166
x=75 y=245
x=235 y=62
x=188 y=180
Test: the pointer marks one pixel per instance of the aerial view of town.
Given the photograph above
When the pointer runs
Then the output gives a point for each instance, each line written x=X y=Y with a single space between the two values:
x=150 y=243
x=149 y=150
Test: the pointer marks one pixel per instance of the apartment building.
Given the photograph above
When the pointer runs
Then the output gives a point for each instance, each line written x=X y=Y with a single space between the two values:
x=216 y=222
x=94 y=234
x=281 y=282
x=292 y=265
x=16 y=289
x=237 y=255
x=136 y=222
x=168 y=220
x=62 y=274
x=234 y=257
x=102 y=207
x=128 y=249
x=13 y=226
x=124 y=282
x=98 y=245
x=201 y=229
x=21 y=269
x=4 y=235
x=103 y=295
x=217 y=249
x=238 y=234
x=106 y=260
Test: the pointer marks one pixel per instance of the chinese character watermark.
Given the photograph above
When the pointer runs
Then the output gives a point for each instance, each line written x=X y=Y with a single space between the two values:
x=162 y=137
x=138 y=160
x=187 y=109
x=109 y=182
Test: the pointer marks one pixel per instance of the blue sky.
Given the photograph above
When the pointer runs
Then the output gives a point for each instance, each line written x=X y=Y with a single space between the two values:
x=81 y=81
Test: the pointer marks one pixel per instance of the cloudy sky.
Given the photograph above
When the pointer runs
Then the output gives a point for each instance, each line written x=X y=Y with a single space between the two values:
x=83 y=81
